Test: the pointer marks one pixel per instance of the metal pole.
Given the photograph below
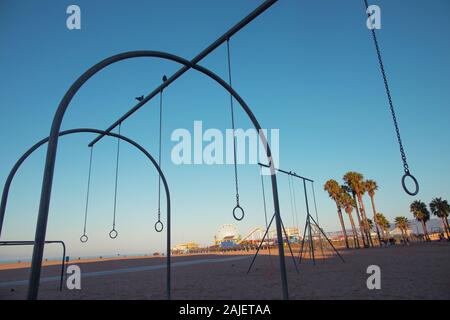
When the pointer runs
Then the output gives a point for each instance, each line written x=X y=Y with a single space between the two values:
x=63 y=266
x=286 y=172
x=227 y=35
x=284 y=283
x=303 y=243
x=311 y=240
x=289 y=245
x=329 y=241
x=260 y=245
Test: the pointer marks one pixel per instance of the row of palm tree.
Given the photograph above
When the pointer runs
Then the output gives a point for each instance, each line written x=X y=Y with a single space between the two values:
x=438 y=207
x=349 y=196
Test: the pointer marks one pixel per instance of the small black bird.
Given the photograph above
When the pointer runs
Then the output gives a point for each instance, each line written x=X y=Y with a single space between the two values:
x=140 y=98
x=164 y=78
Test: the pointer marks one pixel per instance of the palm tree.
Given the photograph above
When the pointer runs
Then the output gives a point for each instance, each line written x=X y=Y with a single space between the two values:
x=348 y=203
x=371 y=187
x=352 y=194
x=355 y=181
x=403 y=224
x=384 y=224
x=334 y=190
x=421 y=213
x=441 y=209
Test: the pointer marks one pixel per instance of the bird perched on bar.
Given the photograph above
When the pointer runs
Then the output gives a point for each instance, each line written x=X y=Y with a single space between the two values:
x=140 y=98
x=164 y=78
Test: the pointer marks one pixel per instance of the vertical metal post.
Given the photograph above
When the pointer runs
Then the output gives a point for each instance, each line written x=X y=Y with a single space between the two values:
x=63 y=266
x=284 y=283
x=311 y=240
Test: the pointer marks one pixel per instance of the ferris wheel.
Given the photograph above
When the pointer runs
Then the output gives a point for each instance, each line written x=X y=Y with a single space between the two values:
x=227 y=231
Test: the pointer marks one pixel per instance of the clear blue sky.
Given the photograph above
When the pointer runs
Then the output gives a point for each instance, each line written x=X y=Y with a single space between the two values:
x=305 y=67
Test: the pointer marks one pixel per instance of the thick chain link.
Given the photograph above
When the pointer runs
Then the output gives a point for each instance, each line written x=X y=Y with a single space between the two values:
x=388 y=92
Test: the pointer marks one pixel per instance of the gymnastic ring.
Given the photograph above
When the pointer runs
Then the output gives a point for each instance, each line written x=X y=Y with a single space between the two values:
x=238 y=207
x=416 y=191
x=113 y=234
x=159 y=226
x=84 y=238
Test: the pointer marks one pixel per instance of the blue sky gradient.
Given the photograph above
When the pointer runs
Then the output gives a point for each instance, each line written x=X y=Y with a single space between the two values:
x=307 y=68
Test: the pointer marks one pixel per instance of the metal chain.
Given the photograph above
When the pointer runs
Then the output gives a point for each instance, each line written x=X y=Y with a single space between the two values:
x=315 y=203
x=264 y=198
x=295 y=201
x=232 y=124
x=291 y=198
x=117 y=178
x=87 y=196
x=159 y=155
x=388 y=92
x=265 y=215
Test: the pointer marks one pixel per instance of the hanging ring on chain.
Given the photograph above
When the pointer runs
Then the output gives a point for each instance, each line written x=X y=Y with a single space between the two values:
x=113 y=234
x=159 y=226
x=84 y=238
x=416 y=184
x=238 y=208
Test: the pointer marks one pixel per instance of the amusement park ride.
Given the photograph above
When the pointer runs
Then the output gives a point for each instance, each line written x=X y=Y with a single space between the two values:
x=227 y=236
x=238 y=211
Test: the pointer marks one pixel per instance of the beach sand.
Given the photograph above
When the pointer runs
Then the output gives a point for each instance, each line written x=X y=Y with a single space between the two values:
x=419 y=271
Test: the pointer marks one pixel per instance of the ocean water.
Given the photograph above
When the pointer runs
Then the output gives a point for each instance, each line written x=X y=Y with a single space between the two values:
x=106 y=256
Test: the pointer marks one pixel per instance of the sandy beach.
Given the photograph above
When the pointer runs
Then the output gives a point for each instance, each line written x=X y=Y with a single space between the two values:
x=419 y=271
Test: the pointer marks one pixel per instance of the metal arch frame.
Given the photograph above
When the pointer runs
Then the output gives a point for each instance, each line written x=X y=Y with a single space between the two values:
x=29 y=243
x=87 y=130
x=53 y=144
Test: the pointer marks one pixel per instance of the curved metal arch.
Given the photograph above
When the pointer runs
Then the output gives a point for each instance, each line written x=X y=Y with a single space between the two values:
x=53 y=144
x=36 y=146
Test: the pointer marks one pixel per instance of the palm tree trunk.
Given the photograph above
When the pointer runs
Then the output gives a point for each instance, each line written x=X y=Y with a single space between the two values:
x=375 y=219
x=446 y=220
x=359 y=221
x=406 y=235
x=448 y=226
x=365 y=222
x=355 y=234
x=425 y=232
x=341 y=219
x=445 y=227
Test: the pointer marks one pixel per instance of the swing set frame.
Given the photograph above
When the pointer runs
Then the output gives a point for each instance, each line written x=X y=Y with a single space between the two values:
x=307 y=223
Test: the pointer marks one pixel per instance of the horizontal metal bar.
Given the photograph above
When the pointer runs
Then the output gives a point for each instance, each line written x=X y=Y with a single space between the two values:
x=19 y=242
x=29 y=243
x=227 y=35
x=286 y=172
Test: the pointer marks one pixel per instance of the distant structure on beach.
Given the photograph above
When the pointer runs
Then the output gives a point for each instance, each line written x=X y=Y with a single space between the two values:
x=227 y=236
x=184 y=248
